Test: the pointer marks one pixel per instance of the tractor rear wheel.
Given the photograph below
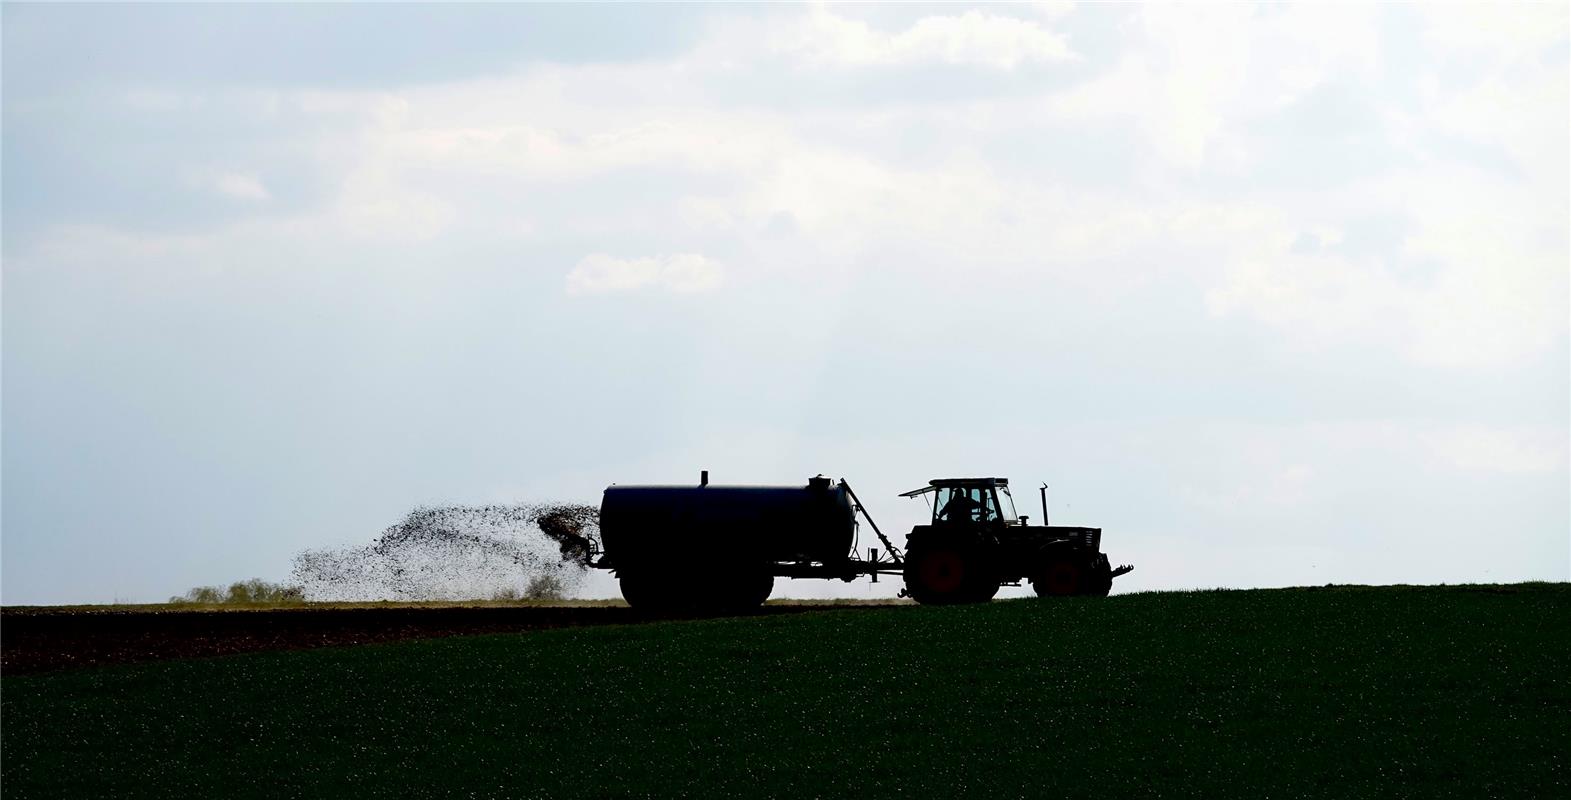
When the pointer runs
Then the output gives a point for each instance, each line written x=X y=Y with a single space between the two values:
x=949 y=572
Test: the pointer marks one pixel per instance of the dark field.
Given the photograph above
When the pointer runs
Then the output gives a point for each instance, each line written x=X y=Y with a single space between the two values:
x=43 y=639
x=1336 y=692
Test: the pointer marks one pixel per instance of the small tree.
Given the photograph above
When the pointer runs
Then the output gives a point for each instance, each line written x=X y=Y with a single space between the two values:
x=544 y=587
x=200 y=594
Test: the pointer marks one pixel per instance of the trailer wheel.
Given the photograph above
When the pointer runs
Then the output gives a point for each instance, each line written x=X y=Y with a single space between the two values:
x=744 y=591
x=661 y=590
x=1060 y=577
x=642 y=593
x=946 y=573
x=760 y=588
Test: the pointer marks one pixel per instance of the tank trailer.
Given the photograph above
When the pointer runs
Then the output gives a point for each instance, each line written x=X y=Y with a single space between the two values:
x=711 y=546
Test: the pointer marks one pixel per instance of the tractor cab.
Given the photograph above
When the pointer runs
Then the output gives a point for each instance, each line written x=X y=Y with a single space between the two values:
x=969 y=502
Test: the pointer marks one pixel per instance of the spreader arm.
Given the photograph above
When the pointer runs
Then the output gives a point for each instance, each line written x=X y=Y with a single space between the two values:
x=894 y=552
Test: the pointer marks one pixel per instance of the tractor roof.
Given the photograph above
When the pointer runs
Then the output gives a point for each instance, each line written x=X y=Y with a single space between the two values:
x=942 y=483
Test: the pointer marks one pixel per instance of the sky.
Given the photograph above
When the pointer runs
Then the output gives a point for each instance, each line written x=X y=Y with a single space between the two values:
x=1274 y=294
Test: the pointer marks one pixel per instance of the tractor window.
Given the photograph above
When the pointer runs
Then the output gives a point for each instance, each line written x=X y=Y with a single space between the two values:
x=944 y=505
x=989 y=508
x=1006 y=505
x=965 y=504
x=955 y=504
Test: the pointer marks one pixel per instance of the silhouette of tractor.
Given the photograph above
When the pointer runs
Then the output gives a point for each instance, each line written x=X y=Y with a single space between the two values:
x=722 y=547
x=976 y=543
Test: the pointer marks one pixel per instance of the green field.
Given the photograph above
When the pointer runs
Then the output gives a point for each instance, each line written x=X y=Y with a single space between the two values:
x=1336 y=692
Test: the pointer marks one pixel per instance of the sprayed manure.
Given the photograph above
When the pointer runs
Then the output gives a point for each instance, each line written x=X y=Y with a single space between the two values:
x=460 y=553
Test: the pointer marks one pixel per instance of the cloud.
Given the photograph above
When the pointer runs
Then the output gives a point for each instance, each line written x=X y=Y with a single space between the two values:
x=240 y=186
x=658 y=157
x=975 y=38
x=155 y=100
x=1477 y=279
x=1317 y=214
x=1515 y=450
x=235 y=185
x=1051 y=9
x=1517 y=31
x=1192 y=76
x=682 y=273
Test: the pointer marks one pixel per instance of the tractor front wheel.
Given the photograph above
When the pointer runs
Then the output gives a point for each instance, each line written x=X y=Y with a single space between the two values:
x=1061 y=577
x=1101 y=582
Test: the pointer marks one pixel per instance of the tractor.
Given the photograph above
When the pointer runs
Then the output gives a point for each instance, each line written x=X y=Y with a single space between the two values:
x=976 y=543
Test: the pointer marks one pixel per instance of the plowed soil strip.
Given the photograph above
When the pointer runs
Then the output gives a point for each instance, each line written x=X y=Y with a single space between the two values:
x=40 y=640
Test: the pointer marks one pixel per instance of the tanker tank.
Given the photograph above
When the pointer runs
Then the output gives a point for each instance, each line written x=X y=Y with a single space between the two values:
x=815 y=522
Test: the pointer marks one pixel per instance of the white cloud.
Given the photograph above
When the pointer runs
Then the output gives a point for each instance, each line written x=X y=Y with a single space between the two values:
x=1051 y=9
x=978 y=38
x=1192 y=74
x=1524 y=115
x=233 y=184
x=240 y=186
x=1513 y=31
x=151 y=100
x=405 y=166
x=688 y=138
x=375 y=202
x=1513 y=450
x=1114 y=227
x=682 y=272
x=1477 y=279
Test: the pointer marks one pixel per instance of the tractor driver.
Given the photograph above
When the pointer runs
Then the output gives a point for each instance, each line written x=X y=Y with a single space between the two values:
x=960 y=508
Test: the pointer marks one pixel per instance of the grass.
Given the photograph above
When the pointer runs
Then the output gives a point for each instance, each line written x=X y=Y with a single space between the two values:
x=1336 y=692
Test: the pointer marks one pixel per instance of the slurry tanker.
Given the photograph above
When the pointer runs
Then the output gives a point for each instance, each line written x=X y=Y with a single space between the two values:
x=709 y=546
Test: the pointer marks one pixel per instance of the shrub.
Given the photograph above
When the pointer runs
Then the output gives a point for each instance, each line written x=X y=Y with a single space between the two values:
x=245 y=592
x=544 y=587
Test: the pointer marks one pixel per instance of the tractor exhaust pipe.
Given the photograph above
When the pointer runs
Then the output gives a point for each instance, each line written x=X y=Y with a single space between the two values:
x=1045 y=520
